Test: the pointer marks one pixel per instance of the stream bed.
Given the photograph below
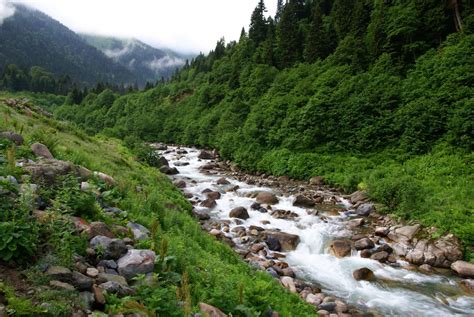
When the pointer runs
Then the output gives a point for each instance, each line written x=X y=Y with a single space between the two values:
x=395 y=291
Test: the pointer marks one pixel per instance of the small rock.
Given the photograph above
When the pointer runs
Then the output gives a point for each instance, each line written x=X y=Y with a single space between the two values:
x=380 y=256
x=12 y=136
x=382 y=231
x=467 y=286
x=211 y=311
x=303 y=201
x=139 y=232
x=289 y=283
x=209 y=203
x=60 y=273
x=463 y=268
x=363 y=274
x=99 y=229
x=116 y=288
x=266 y=198
x=98 y=294
x=88 y=299
x=215 y=232
x=81 y=282
x=206 y=155
x=358 y=196
x=313 y=299
x=222 y=181
x=105 y=277
x=41 y=150
x=364 y=243
x=286 y=241
x=341 y=248
x=365 y=209
x=365 y=253
x=239 y=212
x=180 y=184
x=213 y=195
x=136 y=262
x=169 y=170
x=92 y=272
x=110 y=249
x=426 y=268
x=316 y=181
x=330 y=307
x=354 y=223
x=61 y=285
x=109 y=180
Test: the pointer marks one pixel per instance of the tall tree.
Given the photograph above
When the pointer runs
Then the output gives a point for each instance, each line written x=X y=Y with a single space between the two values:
x=316 y=45
x=290 y=42
x=342 y=12
x=258 y=24
x=279 y=11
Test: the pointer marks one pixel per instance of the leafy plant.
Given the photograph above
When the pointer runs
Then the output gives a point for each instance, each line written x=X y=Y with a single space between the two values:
x=18 y=240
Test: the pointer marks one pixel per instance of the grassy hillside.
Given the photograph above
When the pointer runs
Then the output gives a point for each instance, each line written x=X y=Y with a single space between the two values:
x=197 y=267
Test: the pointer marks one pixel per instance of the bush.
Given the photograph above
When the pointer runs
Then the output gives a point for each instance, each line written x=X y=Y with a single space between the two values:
x=18 y=240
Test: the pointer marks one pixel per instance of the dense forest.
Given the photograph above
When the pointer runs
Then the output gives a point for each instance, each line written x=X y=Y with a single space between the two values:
x=371 y=94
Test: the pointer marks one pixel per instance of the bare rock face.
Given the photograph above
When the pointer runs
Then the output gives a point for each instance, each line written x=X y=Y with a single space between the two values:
x=463 y=268
x=267 y=198
x=41 y=150
x=286 y=241
x=341 y=248
x=239 y=212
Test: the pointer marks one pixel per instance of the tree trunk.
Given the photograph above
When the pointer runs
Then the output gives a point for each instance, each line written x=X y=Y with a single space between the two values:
x=453 y=4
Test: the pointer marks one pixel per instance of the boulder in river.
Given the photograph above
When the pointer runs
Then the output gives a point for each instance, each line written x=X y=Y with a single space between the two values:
x=209 y=203
x=180 y=183
x=303 y=201
x=358 y=196
x=222 y=181
x=365 y=209
x=341 y=248
x=463 y=268
x=287 y=241
x=467 y=286
x=364 y=243
x=239 y=212
x=267 y=198
x=162 y=161
x=169 y=170
x=213 y=195
x=206 y=155
x=363 y=274
x=381 y=256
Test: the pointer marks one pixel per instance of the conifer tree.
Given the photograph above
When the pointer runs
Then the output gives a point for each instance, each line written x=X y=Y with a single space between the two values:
x=316 y=45
x=258 y=24
x=342 y=12
x=279 y=11
x=290 y=42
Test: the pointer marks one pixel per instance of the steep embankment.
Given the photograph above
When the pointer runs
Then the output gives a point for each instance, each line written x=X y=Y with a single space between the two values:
x=53 y=217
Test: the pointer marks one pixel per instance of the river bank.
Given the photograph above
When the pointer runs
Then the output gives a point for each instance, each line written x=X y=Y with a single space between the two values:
x=316 y=240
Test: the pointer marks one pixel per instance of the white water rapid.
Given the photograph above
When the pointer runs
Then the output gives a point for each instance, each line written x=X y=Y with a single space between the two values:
x=396 y=291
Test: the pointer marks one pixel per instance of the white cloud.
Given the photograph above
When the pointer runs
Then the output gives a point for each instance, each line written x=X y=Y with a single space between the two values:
x=165 y=62
x=6 y=10
x=185 y=25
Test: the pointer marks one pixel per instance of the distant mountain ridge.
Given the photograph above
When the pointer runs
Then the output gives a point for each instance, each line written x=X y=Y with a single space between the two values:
x=32 y=38
x=146 y=62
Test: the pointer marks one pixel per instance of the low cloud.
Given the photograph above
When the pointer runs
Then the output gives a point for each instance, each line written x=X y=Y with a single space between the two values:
x=6 y=10
x=165 y=62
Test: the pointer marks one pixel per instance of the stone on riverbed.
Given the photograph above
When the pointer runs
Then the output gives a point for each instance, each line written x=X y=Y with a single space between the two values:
x=303 y=201
x=267 y=198
x=365 y=210
x=169 y=170
x=364 y=243
x=206 y=155
x=287 y=241
x=239 y=212
x=213 y=195
x=209 y=203
x=341 y=248
x=463 y=268
x=363 y=274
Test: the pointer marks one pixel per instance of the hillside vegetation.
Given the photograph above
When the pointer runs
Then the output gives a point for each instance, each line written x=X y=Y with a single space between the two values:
x=191 y=266
x=376 y=95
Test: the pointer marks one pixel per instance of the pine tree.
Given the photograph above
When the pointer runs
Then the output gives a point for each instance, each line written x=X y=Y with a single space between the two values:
x=342 y=12
x=376 y=37
x=316 y=45
x=258 y=24
x=290 y=42
x=279 y=11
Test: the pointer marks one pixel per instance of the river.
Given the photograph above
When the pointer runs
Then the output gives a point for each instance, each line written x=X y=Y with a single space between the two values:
x=396 y=291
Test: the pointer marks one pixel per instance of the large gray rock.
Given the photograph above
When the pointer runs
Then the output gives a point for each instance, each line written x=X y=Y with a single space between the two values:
x=365 y=209
x=363 y=274
x=136 y=262
x=12 y=136
x=206 y=155
x=463 y=268
x=364 y=243
x=104 y=277
x=139 y=232
x=49 y=170
x=59 y=273
x=41 y=150
x=108 y=248
x=116 y=288
x=358 y=196
x=169 y=170
x=81 y=282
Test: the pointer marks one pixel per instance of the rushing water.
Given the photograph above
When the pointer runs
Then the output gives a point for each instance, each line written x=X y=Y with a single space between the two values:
x=397 y=291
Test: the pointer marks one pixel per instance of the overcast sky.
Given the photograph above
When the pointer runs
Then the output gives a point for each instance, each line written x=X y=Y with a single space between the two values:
x=184 y=25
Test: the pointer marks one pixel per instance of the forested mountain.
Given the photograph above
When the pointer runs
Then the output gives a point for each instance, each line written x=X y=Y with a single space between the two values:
x=369 y=94
x=147 y=63
x=30 y=38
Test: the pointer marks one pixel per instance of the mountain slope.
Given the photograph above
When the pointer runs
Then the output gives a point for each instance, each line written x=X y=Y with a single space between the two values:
x=144 y=61
x=31 y=38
